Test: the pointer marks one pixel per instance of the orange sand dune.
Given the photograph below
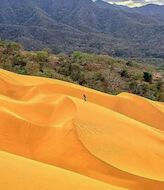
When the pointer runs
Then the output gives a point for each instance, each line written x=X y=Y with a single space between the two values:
x=118 y=140
x=24 y=174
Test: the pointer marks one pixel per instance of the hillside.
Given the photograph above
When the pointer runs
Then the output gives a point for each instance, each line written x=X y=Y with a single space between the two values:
x=47 y=125
x=69 y=25
x=144 y=77
x=153 y=11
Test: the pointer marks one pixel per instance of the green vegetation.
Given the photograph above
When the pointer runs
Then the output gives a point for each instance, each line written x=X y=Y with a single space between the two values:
x=100 y=72
x=147 y=77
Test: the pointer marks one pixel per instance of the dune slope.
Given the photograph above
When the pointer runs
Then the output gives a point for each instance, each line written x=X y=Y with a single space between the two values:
x=118 y=140
x=21 y=173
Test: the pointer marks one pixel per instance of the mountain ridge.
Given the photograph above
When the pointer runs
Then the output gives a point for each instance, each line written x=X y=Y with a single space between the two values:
x=82 y=25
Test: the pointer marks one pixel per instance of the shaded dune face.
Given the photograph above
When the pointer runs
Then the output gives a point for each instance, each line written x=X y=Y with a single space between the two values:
x=118 y=140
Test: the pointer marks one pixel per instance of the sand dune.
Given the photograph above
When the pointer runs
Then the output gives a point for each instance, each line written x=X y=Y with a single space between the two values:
x=24 y=174
x=51 y=138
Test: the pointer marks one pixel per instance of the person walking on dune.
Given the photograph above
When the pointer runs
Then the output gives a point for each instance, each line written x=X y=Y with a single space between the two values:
x=84 y=97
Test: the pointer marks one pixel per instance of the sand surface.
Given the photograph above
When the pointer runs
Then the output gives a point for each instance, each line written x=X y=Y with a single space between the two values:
x=50 y=138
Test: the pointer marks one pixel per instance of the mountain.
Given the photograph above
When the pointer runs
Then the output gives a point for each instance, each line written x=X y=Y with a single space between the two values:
x=104 y=4
x=155 y=11
x=67 y=25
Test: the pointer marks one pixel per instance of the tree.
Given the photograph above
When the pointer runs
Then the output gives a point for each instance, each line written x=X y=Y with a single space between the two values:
x=42 y=57
x=147 y=77
x=75 y=72
x=12 y=48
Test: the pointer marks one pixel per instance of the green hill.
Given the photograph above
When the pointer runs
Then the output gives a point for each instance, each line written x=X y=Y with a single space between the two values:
x=144 y=77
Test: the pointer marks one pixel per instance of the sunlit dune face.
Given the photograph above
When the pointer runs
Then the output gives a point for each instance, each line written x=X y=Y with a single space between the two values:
x=56 y=135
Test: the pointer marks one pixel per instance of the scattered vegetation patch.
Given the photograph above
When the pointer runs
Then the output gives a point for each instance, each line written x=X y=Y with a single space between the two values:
x=100 y=72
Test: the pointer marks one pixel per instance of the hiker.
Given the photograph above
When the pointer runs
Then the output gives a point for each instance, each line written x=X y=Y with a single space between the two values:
x=84 y=97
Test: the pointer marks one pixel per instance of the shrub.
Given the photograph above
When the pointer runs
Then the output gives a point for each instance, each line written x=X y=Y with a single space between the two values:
x=18 y=60
x=99 y=76
x=11 y=47
x=129 y=63
x=124 y=73
x=147 y=77
x=42 y=56
x=65 y=69
x=75 y=72
x=21 y=70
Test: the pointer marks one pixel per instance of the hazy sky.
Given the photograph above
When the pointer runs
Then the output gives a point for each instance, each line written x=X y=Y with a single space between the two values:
x=134 y=3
